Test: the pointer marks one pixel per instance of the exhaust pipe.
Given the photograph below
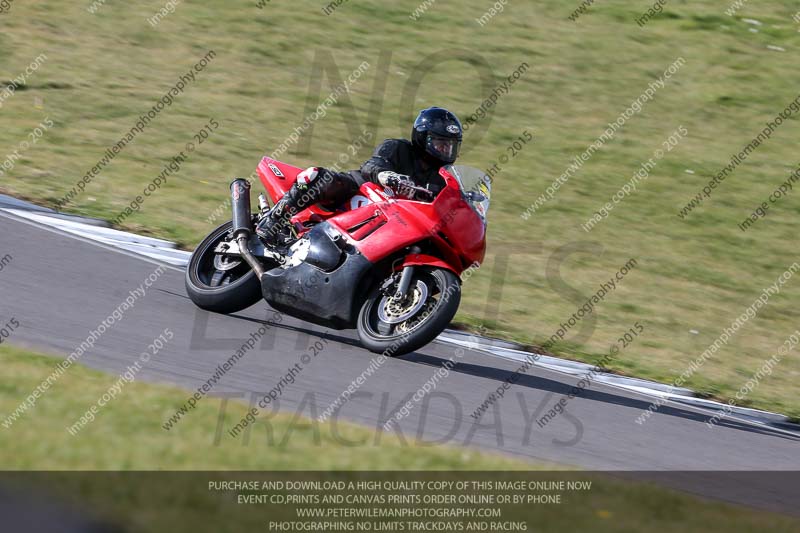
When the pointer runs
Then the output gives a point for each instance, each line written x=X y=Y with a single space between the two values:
x=242 y=223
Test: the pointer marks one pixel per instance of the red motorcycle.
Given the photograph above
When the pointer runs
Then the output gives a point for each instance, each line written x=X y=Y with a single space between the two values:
x=385 y=261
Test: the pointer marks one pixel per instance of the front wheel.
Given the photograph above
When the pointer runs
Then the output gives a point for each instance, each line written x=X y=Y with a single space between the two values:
x=218 y=282
x=392 y=326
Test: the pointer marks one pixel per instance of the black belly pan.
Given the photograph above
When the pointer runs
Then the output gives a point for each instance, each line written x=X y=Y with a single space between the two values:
x=327 y=289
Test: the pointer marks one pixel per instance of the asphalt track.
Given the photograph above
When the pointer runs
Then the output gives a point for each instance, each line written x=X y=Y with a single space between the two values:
x=60 y=287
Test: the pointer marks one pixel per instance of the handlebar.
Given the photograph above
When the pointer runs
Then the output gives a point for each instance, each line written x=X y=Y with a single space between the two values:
x=424 y=192
x=402 y=188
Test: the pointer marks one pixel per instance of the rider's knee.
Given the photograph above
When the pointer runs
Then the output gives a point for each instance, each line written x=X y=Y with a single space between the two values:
x=308 y=176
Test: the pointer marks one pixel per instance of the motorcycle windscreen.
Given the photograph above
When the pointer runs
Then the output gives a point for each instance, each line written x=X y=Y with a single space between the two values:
x=476 y=187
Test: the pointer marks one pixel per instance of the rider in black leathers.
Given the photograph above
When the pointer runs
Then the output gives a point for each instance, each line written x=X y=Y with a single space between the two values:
x=435 y=141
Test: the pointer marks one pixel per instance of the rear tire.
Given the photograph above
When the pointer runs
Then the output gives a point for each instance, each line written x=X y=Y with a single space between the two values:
x=222 y=284
x=442 y=293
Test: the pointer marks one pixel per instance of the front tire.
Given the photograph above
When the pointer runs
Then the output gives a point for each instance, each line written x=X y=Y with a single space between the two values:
x=388 y=326
x=220 y=283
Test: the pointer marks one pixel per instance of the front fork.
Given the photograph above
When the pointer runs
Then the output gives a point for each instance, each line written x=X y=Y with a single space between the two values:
x=405 y=277
x=405 y=282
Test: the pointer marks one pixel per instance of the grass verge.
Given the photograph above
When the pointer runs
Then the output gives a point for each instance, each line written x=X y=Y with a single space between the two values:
x=126 y=435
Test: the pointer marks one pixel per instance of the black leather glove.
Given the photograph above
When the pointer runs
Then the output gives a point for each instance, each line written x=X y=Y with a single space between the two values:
x=404 y=186
x=387 y=178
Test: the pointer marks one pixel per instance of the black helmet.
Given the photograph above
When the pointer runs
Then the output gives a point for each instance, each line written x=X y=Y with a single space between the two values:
x=438 y=133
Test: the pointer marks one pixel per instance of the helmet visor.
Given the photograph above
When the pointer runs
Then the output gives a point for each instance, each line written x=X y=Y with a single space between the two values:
x=443 y=148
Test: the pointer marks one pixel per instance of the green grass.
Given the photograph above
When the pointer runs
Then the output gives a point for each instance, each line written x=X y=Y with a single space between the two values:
x=127 y=432
x=694 y=275
x=126 y=435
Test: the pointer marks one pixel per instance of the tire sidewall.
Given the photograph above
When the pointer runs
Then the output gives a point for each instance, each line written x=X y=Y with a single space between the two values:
x=423 y=334
x=230 y=298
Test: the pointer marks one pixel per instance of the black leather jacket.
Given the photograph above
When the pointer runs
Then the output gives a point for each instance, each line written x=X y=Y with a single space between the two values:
x=399 y=155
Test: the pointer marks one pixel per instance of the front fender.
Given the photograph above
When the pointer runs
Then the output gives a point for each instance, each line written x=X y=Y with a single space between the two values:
x=426 y=260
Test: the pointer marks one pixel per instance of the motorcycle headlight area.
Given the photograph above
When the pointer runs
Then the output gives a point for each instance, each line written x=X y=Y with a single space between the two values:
x=476 y=187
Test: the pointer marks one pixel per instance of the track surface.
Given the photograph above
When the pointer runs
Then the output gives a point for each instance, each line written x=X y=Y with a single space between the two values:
x=59 y=288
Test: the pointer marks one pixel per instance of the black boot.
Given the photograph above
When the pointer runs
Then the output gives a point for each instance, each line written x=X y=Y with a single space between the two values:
x=276 y=227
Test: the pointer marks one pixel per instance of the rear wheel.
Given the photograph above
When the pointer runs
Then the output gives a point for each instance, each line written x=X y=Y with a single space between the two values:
x=394 y=326
x=218 y=282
